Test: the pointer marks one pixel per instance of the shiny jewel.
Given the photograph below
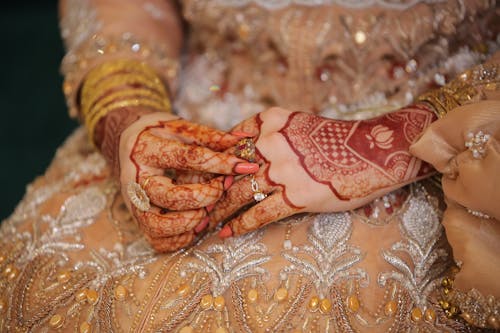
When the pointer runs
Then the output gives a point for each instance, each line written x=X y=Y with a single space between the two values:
x=493 y=321
x=430 y=316
x=81 y=295
x=56 y=321
x=353 y=303
x=359 y=37
x=214 y=88
x=281 y=294
x=92 y=296
x=206 y=302
x=219 y=303
x=325 y=305
x=390 y=308
x=64 y=277
x=121 y=293
x=259 y=196
x=416 y=314
x=411 y=66
x=138 y=196
x=476 y=143
x=252 y=295
x=313 y=303
x=183 y=290
x=85 y=327
x=440 y=79
x=287 y=244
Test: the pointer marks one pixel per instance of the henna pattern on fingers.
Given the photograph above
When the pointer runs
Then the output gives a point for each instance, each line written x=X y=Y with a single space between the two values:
x=355 y=158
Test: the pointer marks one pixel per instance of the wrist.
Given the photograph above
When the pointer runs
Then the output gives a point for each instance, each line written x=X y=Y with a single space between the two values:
x=120 y=85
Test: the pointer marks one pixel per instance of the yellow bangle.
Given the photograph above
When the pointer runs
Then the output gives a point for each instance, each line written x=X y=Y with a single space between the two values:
x=90 y=94
x=467 y=87
x=92 y=120
x=108 y=87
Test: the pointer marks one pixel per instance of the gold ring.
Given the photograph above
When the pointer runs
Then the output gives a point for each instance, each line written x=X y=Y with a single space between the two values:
x=245 y=149
x=138 y=196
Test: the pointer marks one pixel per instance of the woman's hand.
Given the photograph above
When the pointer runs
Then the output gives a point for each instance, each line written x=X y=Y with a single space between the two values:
x=314 y=164
x=171 y=170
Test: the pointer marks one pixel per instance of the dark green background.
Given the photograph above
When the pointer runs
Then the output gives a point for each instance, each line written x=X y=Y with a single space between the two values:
x=33 y=117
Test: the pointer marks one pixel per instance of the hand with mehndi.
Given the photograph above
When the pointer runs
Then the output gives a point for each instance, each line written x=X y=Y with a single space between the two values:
x=172 y=172
x=313 y=164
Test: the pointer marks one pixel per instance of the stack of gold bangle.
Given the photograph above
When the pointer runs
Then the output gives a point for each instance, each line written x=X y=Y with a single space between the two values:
x=467 y=87
x=119 y=84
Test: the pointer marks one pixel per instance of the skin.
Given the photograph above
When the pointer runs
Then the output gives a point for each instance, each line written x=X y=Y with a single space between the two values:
x=160 y=141
x=314 y=164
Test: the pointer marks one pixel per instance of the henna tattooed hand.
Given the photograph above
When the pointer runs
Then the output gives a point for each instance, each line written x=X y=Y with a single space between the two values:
x=314 y=164
x=182 y=169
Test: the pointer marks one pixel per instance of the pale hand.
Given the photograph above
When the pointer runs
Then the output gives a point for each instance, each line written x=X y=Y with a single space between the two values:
x=314 y=164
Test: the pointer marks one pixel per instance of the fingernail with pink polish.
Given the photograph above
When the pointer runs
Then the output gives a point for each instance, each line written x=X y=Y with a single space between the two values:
x=209 y=208
x=241 y=134
x=225 y=232
x=203 y=224
x=245 y=168
x=228 y=182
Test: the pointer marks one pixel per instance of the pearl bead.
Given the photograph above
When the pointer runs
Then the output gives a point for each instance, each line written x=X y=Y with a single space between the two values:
x=360 y=37
x=390 y=308
x=183 y=290
x=56 y=321
x=325 y=305
x=219 y=303
x=313 y=303
x=416 y=314
x=206 y=302
x=121 y=293
x=281 y=294
x=430 y=315
x=467 y=317
x=353 y=303
x=253 y=295
x=85 y=327
x=92 y=296
x=493 y=322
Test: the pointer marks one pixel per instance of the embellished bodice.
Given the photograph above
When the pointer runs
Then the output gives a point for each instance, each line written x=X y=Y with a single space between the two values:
x=334 y=57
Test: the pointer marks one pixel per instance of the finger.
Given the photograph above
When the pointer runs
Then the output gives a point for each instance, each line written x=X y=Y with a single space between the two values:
x=237 y=196
x=163 y=193
x=269 y=210
x=192 y=177
x=191 y=133
x=158 y=225
x=168 y=244
x=162 y=153
x=250 y=127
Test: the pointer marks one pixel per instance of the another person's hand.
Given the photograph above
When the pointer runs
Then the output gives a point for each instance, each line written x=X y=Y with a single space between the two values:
x=171 y=170
x=314 y=164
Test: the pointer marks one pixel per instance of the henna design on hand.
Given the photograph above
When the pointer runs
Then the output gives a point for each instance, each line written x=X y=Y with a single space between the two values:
x=355 y=158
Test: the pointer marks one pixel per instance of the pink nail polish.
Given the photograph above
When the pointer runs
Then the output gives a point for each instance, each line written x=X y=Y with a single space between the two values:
x=246 y=168
x=225 y=232
x=228 y=182
x=203 y=224
x=241 y=134
x=210 y=208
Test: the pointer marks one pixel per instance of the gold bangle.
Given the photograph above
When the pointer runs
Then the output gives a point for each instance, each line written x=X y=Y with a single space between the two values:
x=92 y=121
x=90 y=94
x=132 y=93
x=107 y=88
x=117 y=66
x=467 y=87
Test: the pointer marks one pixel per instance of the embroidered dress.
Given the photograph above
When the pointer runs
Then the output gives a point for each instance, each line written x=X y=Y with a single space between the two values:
x=73 y=259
